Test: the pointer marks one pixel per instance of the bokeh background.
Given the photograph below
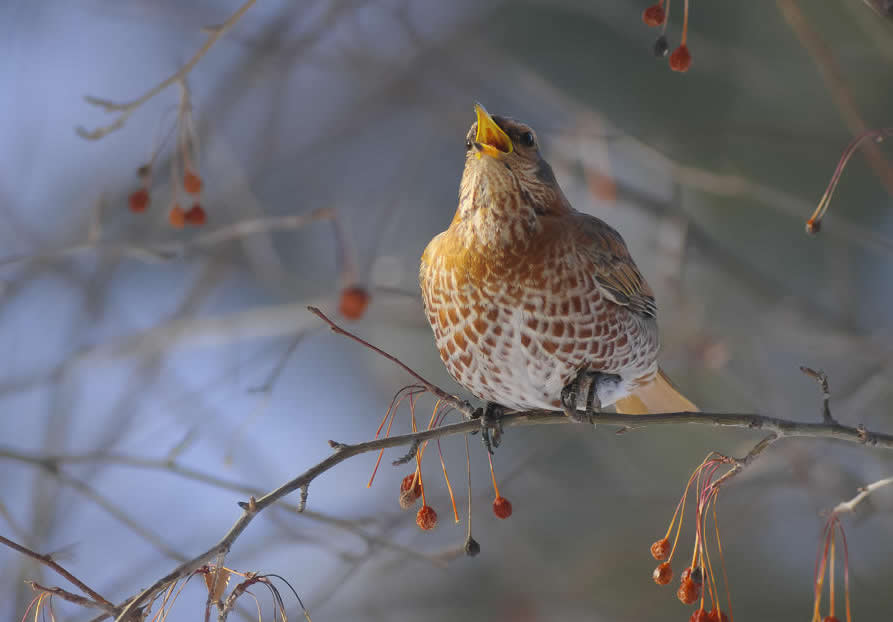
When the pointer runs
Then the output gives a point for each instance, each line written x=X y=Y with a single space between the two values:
x=142 y=396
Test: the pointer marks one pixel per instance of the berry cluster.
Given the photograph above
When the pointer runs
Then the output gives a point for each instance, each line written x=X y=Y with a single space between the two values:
x=412 y=487
x=700 y=569
x=656 y=15
x=183 y=158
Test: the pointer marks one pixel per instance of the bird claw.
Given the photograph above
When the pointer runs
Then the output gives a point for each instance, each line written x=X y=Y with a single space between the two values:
x=586 y=382
x=491 y=419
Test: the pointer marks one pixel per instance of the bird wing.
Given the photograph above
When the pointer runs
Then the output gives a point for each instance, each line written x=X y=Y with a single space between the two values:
x=616 y=272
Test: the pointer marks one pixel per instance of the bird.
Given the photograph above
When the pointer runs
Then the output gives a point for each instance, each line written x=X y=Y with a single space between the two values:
x=533 y=304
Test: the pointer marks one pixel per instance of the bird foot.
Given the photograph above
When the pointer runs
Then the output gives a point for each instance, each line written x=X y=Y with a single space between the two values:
x=491 y=419
x=586 y=383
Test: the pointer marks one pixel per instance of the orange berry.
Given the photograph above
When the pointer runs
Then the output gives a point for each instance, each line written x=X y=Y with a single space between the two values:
x=426 y=518
x=409 y=493
x=660 y=549
x=176 y=217
x=813 y=226
x=699 y=616
x=688 y=591
x=502 y=507
x=654 y=15
x=717 y=615
x=680 y=59
x=196 y=215
x=695 y=575
x=663 y=574
x=353 y=303
x=139 y=201
x=192 y=183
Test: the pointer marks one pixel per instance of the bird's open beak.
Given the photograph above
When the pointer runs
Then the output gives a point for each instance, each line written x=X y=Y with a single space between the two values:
x=492 y=140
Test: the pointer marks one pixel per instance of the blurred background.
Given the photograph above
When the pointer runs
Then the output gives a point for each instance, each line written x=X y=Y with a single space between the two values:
x=153 y=376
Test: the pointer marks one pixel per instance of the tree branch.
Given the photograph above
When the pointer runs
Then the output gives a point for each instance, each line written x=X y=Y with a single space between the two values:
x=128 y=108
x=47 y=560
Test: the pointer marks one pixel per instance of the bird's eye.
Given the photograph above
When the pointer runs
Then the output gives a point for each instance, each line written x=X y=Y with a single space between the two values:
x=527 y=139
x=467 y=144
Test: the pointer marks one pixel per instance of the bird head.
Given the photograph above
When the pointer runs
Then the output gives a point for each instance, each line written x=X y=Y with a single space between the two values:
x=505 y=172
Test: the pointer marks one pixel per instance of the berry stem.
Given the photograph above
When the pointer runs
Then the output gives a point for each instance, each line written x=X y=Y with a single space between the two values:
x=685 y=25
x=492 y=474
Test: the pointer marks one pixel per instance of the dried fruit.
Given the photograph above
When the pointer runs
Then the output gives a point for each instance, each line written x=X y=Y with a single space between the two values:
x=139 y=201
x=663 y=574
x=660 y=549
x=680 y=59
x=700 y=615
x=502 y=507
x=718 y=615
x=176 y=217
x=353 y=303
x=688 y=591
x=195 y=215
x=192 y=183
x=654 y=15
x=426 y=518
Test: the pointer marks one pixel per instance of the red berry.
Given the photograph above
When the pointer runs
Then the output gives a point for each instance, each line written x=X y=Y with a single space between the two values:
x=695 y=575
x=176 y=217
x=830 y=619
x=654 y=15
x=699 y=616
x=717 y=615
x=192 y=183
x=426 y=518
x=663 y=574
x=195 y=215
x=502 y=507
x=680 y=59
x=353 y=303
x=407 y=486
x=660 y=549
x=688 y=591
x=139 y=201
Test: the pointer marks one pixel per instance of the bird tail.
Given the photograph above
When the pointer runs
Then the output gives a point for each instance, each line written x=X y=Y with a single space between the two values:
x=658 y=396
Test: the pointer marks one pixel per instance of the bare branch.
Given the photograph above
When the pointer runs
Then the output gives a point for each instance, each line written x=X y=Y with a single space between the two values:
x=850 y=506
x=128 y=108
x=47 y=560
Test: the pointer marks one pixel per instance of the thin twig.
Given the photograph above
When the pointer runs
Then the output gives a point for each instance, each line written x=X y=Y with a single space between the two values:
x=850 y=506
x=452 y=400
x=128 y=108
x=48 y=561
x=168 y=250
x=70 y=597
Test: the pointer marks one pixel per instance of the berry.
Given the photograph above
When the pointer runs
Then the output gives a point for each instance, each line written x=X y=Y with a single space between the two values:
x=654 y=15
x=660 y=549
x=176 y=217
x=192 y=183
x=353 y=303
x=409 y=494
x=700 y=615
x=472 y=547
x=688 y=591
x=502 y=507
x=426 y=518
x=813 y=226
x=680 y=59
x=695 y=575
x=663 y=574
x=717 y=615
x=139 y=201
x=661 y=46
x=195 y=215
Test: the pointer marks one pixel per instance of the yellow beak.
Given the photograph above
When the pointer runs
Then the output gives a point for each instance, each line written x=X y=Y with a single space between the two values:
x=494 y=142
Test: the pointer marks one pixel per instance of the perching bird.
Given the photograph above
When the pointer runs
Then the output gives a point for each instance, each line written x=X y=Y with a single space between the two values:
x=534 y=304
